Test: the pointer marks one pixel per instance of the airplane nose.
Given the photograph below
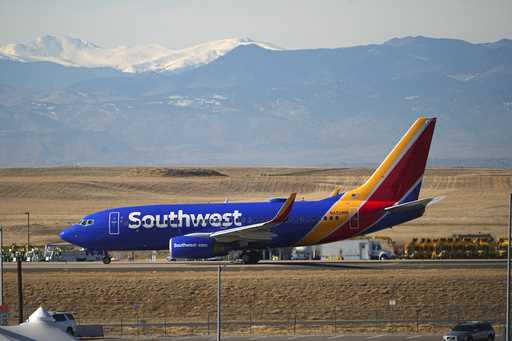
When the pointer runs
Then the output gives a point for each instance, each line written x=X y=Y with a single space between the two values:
x=69 y=235
x=63 y=236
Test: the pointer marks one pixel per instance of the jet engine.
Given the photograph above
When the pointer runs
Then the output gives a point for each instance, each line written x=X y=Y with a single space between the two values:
x=196 y=247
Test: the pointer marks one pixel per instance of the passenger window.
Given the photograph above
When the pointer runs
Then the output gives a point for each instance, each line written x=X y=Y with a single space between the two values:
x=70 y=317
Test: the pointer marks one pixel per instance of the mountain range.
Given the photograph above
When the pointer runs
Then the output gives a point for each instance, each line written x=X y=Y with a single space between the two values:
x=76 y=52
x=237 y=101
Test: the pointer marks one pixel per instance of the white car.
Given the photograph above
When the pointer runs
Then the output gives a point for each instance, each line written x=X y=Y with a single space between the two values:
x=64 y=321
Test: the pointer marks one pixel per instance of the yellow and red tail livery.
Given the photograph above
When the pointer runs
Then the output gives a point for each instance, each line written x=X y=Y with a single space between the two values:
x=397 y=179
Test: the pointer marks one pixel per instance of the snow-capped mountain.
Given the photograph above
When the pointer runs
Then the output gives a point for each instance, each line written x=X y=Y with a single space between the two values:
x=76 y=52
x=251 y=104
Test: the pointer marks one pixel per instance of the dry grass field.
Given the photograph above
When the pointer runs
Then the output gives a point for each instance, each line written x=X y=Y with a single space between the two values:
x=269 y=295
x=476 y=199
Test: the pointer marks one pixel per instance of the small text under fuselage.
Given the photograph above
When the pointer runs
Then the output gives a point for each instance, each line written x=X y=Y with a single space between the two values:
x=180 y=219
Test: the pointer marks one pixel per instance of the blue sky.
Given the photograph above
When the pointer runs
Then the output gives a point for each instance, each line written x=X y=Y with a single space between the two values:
x=287 y=23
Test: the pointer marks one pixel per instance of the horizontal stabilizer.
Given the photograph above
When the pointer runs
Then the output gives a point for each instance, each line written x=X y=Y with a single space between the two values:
x=413 y=205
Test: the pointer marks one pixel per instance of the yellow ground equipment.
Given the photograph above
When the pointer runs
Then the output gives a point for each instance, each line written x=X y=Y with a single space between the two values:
x=457 y=246
x=502 y=247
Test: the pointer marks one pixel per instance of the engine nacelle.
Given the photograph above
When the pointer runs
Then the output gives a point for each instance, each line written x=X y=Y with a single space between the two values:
x=192 y=247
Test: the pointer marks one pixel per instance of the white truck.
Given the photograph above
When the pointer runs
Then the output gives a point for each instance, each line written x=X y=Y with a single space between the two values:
x=355 y=249
x=303 y=253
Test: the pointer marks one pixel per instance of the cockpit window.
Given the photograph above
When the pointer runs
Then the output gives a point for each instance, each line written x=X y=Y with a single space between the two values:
x=86 y=222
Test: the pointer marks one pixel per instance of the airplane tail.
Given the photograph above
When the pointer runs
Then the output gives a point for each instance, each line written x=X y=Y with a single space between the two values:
x=398 y=178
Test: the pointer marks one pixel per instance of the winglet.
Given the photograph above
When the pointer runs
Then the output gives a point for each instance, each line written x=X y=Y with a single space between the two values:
x=285 y=210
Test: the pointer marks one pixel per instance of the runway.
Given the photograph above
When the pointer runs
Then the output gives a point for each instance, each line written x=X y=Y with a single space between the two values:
x=262 y=266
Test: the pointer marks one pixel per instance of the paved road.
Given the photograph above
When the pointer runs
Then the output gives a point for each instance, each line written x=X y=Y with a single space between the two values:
x=348 y=337
x=288 y=265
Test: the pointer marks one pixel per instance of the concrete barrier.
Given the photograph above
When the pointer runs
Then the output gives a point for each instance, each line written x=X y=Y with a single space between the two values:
x=89 y=330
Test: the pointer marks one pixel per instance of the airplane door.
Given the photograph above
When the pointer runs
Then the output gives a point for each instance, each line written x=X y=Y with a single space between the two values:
x=113 y=223
x=354 y=221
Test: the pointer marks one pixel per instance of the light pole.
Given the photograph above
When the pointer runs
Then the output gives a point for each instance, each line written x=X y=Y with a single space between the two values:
x=1 y=267
x=28 y=229
x=3 y=311
x=19 y=258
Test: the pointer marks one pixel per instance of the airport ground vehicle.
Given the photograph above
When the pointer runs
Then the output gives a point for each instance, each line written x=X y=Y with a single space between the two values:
x=64 y=321
x=69 y=253
x=9 y=253
x=457 y=246
x=471 y=331
x=34 y=255
x=303 y=253
x=502 y=248
x=355 y=249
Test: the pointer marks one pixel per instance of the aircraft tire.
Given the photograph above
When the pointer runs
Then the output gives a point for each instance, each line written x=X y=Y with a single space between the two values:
x=246 y=258
x=250 y=258
x=383 y=257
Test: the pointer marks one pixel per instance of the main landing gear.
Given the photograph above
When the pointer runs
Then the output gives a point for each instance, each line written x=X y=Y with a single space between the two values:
x=250 y=257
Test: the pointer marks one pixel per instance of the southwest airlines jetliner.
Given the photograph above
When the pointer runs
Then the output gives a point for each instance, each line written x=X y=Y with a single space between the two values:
x=195 y=231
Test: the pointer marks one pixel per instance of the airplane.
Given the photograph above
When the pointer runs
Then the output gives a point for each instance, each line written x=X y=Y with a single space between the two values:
x=200 y=231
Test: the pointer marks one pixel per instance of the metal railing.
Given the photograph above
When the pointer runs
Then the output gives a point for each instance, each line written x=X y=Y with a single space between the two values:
x=340 y=320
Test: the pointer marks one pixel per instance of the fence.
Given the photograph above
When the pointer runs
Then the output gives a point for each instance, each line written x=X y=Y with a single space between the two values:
x=386 y=319
x=272 y=304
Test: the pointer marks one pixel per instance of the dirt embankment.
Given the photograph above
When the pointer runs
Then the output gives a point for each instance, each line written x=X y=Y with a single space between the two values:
x=174 y=172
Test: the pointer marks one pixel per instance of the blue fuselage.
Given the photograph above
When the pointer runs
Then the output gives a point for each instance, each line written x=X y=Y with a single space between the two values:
x=150 y=227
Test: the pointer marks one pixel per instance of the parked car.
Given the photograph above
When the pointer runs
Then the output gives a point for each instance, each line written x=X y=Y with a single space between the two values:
x=471 y=331
x=64 y=321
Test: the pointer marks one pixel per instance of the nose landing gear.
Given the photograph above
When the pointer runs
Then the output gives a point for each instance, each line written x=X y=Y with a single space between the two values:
x=107 y=258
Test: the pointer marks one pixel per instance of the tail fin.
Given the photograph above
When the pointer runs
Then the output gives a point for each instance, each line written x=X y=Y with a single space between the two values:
x=399 y=176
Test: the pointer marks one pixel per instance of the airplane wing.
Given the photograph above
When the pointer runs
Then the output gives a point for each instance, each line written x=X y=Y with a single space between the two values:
x=413 y=205
x=260 y=231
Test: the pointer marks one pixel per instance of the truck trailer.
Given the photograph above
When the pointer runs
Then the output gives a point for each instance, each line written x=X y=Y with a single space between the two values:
x=355 y=249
